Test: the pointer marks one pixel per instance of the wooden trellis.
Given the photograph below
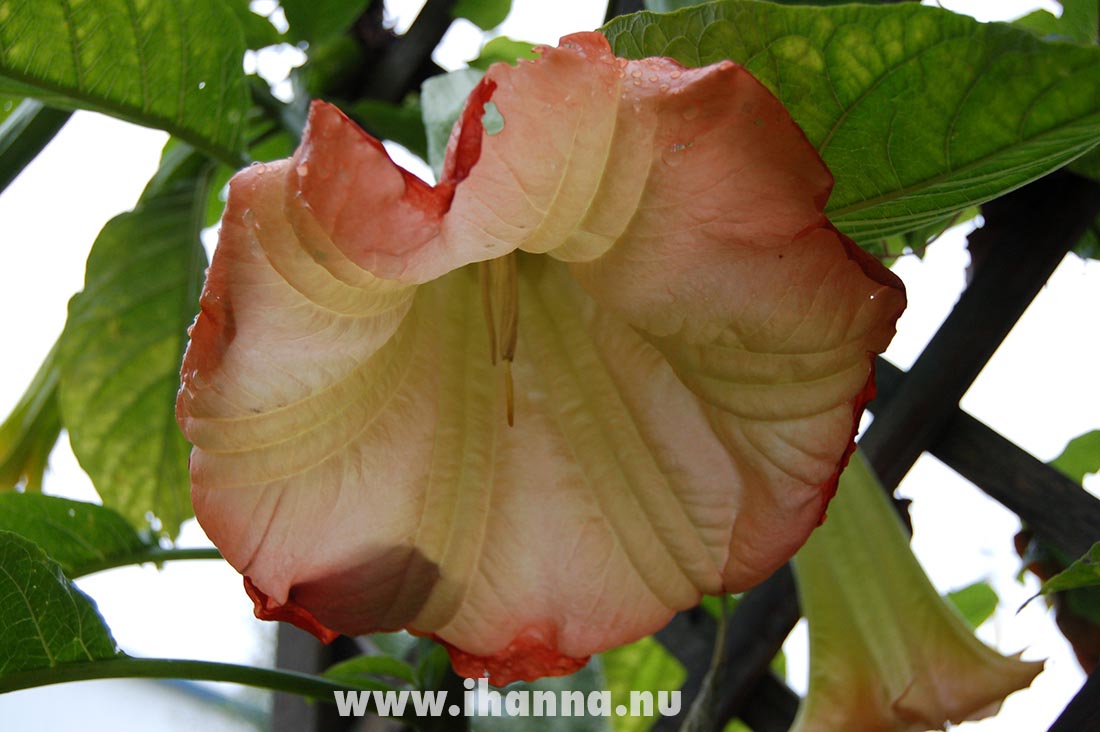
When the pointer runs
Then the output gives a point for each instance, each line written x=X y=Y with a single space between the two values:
x=1026 y=235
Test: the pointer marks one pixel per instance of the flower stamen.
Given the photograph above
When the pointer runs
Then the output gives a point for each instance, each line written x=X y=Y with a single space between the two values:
x=499 y=284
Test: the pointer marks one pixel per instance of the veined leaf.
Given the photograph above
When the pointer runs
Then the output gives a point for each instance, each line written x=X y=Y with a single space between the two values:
x=172 y=65
x=124 y=341
x=30 y=432
x=24 y=133
x=81 y=537
x=44 y=620
x=917 y=111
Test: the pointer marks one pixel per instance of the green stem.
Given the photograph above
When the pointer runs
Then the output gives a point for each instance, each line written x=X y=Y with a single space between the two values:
x=315 y=687
x=151 y=554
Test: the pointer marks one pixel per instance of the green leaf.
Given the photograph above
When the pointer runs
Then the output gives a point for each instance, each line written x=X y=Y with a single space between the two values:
x=641 y=666
x=24 y=133
x=1085 y=572
x=8 y=104
x=431 y=665
x=442 y=99
x=668 y=6
x=124 y=341
x=403 y=124
x=503 y=49
x=258 y=30
x=172 y=65
x=485 y=14
x=1089 y=246
x=318 y=20
x=918 y=112
x=364 y=669
x=1081 y=20
x=28 y=435
x=44 y=620
x=81 y=537
x=976 y=602
x=917 y=241
x=1081 y=456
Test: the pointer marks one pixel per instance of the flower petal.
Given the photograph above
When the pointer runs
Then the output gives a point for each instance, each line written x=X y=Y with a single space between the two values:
x=688 y=374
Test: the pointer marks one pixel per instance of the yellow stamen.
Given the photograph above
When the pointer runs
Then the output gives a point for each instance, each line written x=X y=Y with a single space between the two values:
x=485 y=278
x=499 y=283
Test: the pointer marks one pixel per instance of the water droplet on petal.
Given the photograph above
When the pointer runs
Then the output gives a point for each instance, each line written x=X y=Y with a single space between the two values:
x=691 y=112
x=653 y=79
x=673 y=155
x=675 y=74
x=302 y=170
x=636 y=74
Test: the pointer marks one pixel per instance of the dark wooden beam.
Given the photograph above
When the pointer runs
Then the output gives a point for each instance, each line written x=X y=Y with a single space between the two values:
x=1058 y=510
x=1027 y=233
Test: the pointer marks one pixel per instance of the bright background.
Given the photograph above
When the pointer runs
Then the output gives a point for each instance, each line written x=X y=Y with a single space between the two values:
x=1038 y=391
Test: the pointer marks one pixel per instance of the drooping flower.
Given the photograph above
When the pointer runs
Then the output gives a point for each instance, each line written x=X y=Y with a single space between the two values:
x=887 y=654
x=612 y=361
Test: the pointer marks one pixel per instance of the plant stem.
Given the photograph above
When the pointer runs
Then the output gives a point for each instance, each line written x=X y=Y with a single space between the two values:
x=315 y=687
x=151 y=554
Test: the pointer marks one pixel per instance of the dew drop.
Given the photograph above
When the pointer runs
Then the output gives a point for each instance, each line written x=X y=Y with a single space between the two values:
x=653 y=79
x=202 y=84
x=675 y=74
x=636 y=74
x=664 y=87
x=691 y=112
x=637 y=82
x=302 y=170
x=673 y=155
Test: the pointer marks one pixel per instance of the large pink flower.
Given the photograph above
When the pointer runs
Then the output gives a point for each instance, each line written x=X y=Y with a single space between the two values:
x=684 y=367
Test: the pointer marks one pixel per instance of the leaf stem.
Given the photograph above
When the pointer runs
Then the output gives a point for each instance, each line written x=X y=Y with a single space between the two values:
x=153 y=554
x=314 y=687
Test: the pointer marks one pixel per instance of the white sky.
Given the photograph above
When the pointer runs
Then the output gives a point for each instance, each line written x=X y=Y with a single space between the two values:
x=1039 y=391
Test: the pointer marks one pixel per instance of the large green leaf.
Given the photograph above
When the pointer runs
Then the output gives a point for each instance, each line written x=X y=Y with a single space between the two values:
x=124 y=341
x=172 y=65
x=30 y=432
x=44 y=620
x=81 y=537
x=917 y=111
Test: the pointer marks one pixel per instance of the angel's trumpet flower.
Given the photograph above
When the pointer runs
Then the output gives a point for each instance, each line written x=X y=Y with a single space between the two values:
x=612 y=361
x=887 y=653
